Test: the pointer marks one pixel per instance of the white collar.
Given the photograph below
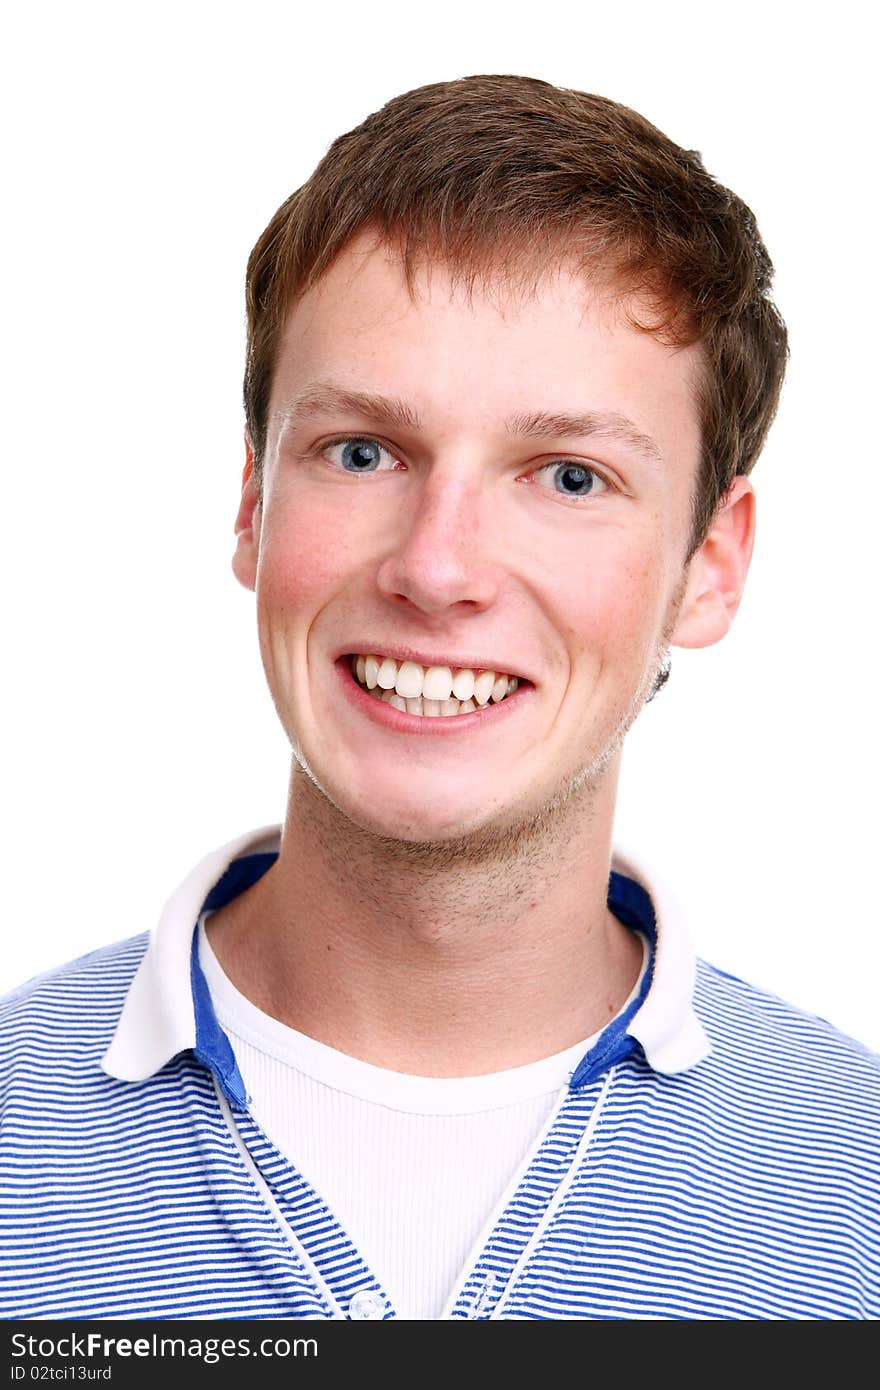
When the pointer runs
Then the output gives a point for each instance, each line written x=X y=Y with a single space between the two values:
x=158 y=1016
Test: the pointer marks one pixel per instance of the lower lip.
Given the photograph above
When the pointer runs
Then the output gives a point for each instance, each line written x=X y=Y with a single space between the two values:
x=426 y=724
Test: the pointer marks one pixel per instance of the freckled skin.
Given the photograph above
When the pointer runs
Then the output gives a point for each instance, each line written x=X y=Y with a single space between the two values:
x=462 y=876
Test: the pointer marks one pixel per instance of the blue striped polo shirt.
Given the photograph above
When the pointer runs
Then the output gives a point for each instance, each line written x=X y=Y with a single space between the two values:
x=714 y=1156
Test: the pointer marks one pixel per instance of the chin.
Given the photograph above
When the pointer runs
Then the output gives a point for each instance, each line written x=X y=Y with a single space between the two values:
x=383 y=807
x=415 y=825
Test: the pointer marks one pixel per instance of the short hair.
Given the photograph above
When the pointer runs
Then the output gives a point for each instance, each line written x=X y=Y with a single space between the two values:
x=509 y=174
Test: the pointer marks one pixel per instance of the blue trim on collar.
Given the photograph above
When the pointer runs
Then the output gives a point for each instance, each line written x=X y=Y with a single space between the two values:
x=213 y=1048
x=241 y=874
x=632 y=906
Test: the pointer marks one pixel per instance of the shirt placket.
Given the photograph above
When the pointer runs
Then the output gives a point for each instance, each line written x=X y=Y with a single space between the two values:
x=354 y=1291
x=505 y=1255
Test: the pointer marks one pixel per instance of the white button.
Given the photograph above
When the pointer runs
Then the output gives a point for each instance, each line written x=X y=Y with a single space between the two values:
x=366 y=1303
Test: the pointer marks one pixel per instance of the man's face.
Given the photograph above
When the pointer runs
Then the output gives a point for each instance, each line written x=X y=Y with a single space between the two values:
x=496 y=483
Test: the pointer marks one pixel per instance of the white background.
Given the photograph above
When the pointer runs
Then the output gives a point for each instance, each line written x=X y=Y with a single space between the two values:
x=145 y=149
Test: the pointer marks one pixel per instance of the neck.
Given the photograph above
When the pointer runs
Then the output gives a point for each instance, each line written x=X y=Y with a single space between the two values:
x=443 y=959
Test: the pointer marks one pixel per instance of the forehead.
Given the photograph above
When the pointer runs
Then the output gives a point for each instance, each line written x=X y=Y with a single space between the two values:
x=484 y=347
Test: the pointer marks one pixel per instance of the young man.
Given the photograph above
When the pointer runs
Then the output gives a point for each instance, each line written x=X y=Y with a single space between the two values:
x=434 y=1049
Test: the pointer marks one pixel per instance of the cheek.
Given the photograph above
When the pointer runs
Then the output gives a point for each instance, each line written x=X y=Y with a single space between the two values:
x=613 y=601
x=303 y=554
x=302 y=565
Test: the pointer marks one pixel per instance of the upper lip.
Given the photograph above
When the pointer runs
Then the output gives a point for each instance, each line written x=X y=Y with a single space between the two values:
x=460 y=662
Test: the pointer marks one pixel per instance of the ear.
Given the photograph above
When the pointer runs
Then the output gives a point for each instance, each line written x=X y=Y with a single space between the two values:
x=247 y=525
x=717 y=571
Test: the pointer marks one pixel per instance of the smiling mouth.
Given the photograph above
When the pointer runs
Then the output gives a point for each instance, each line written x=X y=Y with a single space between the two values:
x=432 y=692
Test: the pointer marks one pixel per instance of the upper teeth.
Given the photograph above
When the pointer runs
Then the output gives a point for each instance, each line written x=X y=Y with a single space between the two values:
x=412 y=681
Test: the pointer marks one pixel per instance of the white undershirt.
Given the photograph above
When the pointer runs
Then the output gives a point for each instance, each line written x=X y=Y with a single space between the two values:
x=414 y=1168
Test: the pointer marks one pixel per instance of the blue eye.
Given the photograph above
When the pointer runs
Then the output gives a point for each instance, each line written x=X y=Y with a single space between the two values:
x=358 y=455
x=574 y=480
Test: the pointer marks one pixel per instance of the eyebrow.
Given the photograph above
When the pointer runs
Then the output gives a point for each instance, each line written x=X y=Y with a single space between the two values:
x=324 y=398
x=544 y=424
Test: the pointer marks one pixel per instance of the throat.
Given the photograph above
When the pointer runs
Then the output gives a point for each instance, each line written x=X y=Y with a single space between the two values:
x=428 y=984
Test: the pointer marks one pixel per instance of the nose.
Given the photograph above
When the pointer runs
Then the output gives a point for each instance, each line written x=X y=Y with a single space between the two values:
x=441 y=557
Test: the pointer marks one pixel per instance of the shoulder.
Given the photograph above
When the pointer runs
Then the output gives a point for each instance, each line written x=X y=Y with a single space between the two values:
x=70 y=1011
x=777 y=1127
x=774 y=1047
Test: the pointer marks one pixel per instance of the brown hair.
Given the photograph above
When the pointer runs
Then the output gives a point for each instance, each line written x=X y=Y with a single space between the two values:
x=506 y=174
